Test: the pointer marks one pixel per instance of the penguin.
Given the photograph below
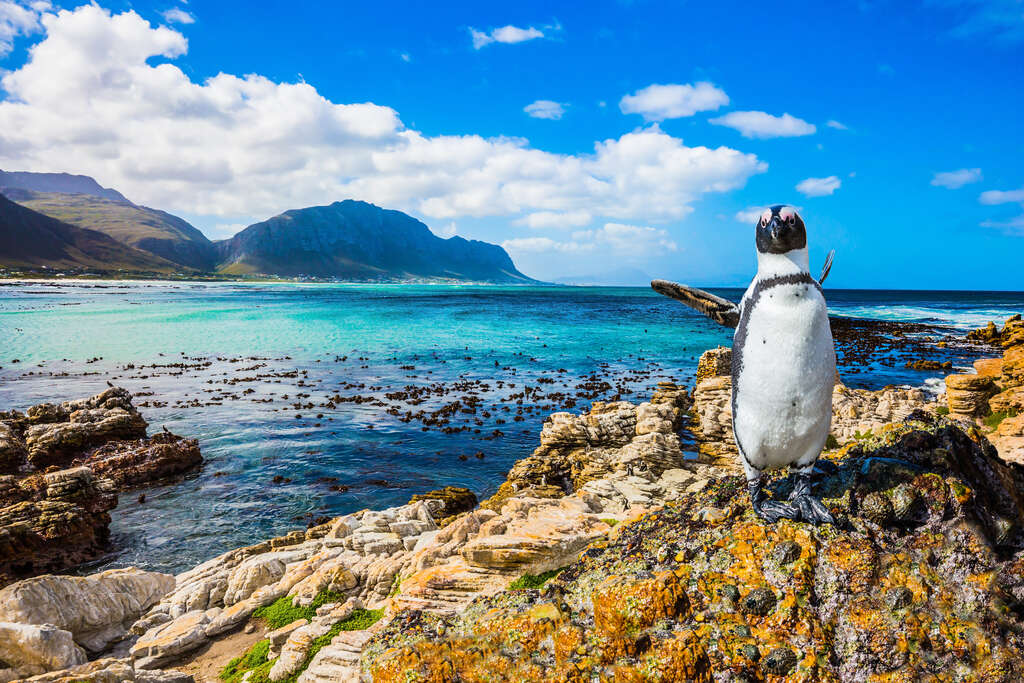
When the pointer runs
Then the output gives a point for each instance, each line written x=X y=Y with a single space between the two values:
x=783 y=363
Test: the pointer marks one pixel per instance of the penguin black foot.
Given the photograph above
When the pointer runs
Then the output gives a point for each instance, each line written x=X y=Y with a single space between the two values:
x=809 y=508
x=769 y=510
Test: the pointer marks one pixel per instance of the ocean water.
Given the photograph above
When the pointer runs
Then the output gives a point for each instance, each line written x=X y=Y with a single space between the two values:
x=314 y=400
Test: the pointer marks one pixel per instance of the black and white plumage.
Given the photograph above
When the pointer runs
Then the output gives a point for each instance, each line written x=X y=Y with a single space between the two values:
x=783 y=363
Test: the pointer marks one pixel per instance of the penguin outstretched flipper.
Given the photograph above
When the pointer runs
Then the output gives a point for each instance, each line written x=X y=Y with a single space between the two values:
x=722 y=311
x=826 y=268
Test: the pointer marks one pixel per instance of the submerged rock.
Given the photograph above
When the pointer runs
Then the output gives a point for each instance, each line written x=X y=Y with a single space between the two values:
x=934 y=589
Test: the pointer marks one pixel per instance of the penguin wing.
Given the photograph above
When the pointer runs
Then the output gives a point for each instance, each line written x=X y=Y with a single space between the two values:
x=827 y=267
x=722 y=311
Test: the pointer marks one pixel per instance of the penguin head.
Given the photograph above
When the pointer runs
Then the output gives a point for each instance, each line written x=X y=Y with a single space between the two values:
x=780 y=230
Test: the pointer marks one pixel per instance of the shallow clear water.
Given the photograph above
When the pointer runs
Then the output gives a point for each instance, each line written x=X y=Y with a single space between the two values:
x=248 y=370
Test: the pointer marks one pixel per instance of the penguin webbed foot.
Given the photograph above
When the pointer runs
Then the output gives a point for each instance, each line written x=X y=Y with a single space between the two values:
x=810 y=509
x=801 y=507
x=769 y=510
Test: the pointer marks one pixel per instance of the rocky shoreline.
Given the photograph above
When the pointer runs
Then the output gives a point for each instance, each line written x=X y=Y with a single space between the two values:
x=655 y=567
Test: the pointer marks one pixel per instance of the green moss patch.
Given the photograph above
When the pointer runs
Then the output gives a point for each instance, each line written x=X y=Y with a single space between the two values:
x=993 y=420
x=284 y=611
x=533 y=580
x=255 y=659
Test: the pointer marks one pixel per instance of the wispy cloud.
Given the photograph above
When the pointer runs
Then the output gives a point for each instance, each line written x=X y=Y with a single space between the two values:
x=506 y=34
x=176 y=15
x=545 y=109
x=1001 y=196
x=18 y=19
x=672 y=101
x=818 y=187
x=832 y=123
x=1000 y=20
x=759 y=124
x=956 y=179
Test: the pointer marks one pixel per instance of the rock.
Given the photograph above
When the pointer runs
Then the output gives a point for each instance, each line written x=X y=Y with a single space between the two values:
x=967 y=395
x=612 y=437
x=923 y=364
x=142 y=461
x=112 y=670
x=1009 y=401
x=164 y=643
x=280 y=636
x=97 y=609
x=454 y=501
x=52 y=521
x=989 y=367
x=28 y=649
x=933 y=588
x=75 y=426
x=12 y=449
x=1013 y=368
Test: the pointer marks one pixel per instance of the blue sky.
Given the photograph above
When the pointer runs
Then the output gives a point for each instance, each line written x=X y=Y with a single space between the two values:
x=625 y=139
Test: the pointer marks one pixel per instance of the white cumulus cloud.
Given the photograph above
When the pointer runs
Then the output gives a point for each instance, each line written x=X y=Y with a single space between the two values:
x=556 y=219
x=750 y=215
x=232 y=148
x=619 y=240
x=956 y=179
x=176 y=15
x=759 y=124
x=545 y=109
x=818 y=187
x=506 y=34
x=1001 y=196
x=659 y=102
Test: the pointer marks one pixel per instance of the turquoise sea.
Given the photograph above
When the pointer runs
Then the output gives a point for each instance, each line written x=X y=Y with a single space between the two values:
x=320 y=399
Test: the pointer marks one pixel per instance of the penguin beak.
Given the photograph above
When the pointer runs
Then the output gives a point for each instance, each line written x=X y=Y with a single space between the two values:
x=776 y=228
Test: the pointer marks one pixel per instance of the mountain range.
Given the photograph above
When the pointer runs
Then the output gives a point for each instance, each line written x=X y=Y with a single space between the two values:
x=84 y=225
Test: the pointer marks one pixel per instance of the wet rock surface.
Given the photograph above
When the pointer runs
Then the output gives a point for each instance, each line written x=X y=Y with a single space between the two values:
x=934 y=590
x=61 y=466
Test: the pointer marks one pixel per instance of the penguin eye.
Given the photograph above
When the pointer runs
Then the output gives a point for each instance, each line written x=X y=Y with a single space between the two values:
x=790 y=219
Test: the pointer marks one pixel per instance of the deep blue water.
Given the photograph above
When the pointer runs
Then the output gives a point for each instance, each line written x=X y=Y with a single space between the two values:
x=216 y=362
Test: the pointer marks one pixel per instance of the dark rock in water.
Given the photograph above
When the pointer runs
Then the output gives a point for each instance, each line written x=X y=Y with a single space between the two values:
x=926 y=577
x=52 y=521
x=143 y=461
x=455 y=499
x=62 y=465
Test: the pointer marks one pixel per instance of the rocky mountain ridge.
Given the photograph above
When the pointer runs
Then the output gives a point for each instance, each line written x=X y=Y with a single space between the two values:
x=348 y=240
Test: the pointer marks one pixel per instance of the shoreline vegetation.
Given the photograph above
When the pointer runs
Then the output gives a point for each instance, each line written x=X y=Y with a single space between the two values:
x=604 y=553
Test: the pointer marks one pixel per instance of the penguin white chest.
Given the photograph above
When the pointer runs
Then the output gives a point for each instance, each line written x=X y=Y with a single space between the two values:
x=783 y=374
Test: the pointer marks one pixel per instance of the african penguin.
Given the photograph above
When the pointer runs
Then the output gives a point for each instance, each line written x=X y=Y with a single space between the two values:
x=783 y=363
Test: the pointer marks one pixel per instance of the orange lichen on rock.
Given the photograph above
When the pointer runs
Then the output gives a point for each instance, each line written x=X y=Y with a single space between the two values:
x=929 y=588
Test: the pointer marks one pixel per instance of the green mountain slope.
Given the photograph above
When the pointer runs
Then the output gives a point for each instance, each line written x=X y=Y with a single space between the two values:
x=157 y=232
x=29 y=239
